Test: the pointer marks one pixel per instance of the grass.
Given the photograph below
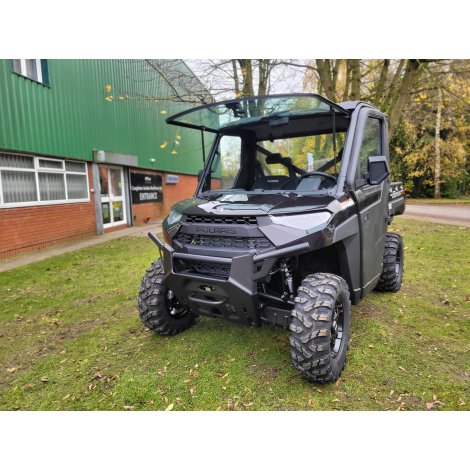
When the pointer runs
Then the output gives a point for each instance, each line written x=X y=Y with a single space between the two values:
x=70 y=339
x=453 y=202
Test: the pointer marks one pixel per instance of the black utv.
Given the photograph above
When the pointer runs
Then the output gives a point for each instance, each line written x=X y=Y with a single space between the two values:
x=288 y=225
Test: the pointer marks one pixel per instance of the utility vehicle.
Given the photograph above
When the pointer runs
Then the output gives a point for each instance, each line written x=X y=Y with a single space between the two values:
x=288 y=225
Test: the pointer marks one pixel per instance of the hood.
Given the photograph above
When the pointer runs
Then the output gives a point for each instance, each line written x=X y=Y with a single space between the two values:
x=255 y=204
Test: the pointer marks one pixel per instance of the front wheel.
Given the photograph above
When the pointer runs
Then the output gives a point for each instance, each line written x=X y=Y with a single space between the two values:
x=320 y=327
x=159 y=310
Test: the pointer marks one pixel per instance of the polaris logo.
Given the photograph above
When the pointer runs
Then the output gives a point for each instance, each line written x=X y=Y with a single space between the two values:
x=217 y=230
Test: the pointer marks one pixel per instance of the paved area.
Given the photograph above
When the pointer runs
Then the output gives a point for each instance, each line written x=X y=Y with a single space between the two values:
x=454 y=215
x=34 y=256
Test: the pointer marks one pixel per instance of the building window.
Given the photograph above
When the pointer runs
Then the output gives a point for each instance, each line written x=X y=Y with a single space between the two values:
x=35 y=69
x=29 y=181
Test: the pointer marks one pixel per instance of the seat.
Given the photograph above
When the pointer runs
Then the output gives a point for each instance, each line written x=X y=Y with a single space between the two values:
x=274 y=182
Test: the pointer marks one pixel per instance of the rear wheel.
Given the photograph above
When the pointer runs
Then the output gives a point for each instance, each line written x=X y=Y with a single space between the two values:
x=392 y=271
x=159 y=309
x=320 y=326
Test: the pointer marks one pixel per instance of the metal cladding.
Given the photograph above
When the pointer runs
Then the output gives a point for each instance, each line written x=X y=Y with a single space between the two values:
x=71 y=115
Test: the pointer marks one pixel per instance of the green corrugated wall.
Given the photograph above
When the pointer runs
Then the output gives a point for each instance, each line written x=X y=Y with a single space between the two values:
x=71 y=116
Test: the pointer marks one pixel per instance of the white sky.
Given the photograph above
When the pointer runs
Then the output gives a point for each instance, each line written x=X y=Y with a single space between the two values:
x=283 y=80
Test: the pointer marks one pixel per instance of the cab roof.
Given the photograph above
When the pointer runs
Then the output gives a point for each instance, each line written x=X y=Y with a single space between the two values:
x=260 y=111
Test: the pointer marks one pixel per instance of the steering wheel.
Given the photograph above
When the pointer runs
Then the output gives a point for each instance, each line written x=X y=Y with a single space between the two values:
x=319 y=173
x=325 y=176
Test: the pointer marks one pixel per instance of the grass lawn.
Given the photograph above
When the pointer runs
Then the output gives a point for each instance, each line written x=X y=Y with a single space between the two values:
x=442 y=201
x=70 y=339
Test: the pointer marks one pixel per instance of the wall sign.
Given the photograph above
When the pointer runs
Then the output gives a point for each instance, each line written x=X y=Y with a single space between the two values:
x=172 y=179
x=146 y=188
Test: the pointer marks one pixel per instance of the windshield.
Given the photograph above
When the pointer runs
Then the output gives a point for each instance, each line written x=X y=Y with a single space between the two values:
x=295 y=164
x=250 y=110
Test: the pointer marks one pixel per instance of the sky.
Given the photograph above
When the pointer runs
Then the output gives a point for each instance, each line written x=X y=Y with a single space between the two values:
x=283 y=80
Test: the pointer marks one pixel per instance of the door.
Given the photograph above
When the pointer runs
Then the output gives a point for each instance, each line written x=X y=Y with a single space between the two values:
x=373 y=203
x=113 y=200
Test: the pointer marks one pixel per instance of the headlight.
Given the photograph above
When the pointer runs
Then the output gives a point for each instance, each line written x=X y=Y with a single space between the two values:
x=173 y=217
x=308 y=222
x=171 y=226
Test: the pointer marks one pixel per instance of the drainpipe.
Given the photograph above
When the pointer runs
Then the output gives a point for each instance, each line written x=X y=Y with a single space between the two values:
x=97 y=192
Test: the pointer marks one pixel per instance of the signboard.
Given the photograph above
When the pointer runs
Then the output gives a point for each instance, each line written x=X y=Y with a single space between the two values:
x=146 y=188
x=172 y=179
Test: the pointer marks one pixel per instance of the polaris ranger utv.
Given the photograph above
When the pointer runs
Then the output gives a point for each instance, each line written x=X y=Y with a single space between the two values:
x=288 y=225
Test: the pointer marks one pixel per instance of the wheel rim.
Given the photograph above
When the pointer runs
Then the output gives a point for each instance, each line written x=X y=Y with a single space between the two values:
x=398 y=263
x=337 y=328
x=175 y=309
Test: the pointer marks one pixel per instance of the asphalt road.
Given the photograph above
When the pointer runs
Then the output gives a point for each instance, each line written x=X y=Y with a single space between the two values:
x=454 y=215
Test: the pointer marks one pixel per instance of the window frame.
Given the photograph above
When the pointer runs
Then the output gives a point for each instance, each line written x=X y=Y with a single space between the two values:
x=41 y=70
x=36 y=170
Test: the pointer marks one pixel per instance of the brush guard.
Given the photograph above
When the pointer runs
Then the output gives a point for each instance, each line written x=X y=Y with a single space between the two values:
x=235 y=297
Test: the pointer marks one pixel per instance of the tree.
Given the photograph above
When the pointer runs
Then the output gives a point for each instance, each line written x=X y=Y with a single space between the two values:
x=387 y=84
x=437 y=147
x=430 y=149
x=427 y=102
x=396 y=87
x=233 y=78
x=183 y=85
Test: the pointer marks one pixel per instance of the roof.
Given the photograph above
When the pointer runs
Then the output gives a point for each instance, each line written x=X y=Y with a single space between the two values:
x=252 y=110
x=352 y=105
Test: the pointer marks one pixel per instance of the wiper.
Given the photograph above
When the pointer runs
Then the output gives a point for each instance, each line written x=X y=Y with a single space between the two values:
x=209 y=195
x=216 y=192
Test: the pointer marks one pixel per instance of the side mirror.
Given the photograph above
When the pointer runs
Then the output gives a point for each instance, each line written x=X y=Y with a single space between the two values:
x=378 y=169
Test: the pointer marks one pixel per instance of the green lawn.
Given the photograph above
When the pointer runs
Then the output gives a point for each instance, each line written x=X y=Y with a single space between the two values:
x=70 y=339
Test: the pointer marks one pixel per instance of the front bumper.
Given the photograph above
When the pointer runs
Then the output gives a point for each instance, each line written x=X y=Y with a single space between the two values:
x=234 y=298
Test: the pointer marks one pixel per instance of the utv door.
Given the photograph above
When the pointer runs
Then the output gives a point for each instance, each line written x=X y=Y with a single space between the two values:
x=372 y=199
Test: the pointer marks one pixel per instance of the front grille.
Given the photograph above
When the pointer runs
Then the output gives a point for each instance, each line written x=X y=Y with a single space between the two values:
x=242 y=243
x=212 y=269
x=219 y=270
x=240 y=220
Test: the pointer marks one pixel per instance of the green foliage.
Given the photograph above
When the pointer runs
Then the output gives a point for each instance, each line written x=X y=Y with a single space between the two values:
x=410 y=91
x=412 y=157
x=445 y=87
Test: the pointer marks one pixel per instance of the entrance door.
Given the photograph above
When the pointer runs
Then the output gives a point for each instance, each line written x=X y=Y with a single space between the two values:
x=112 y=196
